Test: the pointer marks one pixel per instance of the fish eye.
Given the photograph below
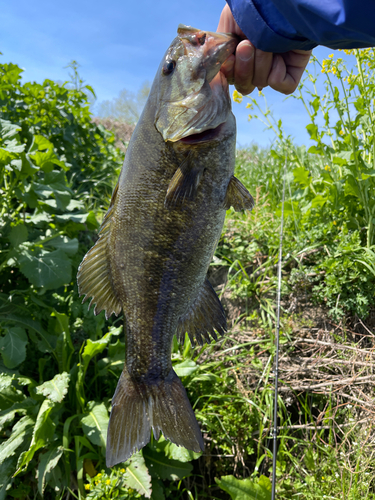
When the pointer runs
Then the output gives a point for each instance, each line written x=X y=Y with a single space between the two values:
x=168 y=67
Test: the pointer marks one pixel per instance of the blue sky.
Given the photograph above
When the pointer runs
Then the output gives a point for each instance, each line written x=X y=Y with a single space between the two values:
x=119 y=45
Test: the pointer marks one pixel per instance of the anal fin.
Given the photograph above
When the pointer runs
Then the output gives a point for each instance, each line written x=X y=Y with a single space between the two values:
x=94 y=274
x=238 y=196
x=205 y=316
x=184 y=184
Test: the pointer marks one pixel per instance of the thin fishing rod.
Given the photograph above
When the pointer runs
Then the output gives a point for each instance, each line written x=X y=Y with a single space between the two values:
x=276 y=370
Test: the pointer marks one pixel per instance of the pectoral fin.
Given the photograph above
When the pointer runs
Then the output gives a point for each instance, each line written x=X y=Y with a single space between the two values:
x=238 y=196
x=184 y=184
x=205 y=316
x=94 y=274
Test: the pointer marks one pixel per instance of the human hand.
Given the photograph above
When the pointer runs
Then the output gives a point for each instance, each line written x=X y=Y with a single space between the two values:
x=250 y=67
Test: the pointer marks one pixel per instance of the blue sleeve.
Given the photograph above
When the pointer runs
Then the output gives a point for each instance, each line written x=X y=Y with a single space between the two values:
x=282 y=25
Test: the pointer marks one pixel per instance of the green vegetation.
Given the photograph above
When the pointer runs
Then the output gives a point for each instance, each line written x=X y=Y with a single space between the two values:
x=59 y=365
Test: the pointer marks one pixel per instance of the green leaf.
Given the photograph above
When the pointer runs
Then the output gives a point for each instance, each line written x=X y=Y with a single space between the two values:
x=40 y=143
x=312 y=129
x=302 y=176
x=315 y=150
x=157 y=490
x=46 y=269
x=8 y=129
x=185 y=368
x=165 y=468
x=64 y=346
x=68 y=245
x=95 y=423
x=18 y=234
x=88 y=87
x=6 y=473
x=13 y=347
x=45 y=342
x=246 y=489
x=315 y=104
x=339 y=160
x=137 y=477
x=42 y=434
x=55 y=389
x=20 y=433
x=14 y=146
x=74 y=217
x=21 y=408
x=92 y=348
x=47 y=462
x=8 y=393
x=180 y=453
x=318 y=201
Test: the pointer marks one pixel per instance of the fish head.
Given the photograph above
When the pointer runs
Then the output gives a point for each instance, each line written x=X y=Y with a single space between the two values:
x=192 y=93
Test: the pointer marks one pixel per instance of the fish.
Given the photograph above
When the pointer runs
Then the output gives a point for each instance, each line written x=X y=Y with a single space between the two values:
x=158 y=238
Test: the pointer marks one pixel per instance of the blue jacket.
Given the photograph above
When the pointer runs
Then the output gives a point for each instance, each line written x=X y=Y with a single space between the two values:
x=283 y=25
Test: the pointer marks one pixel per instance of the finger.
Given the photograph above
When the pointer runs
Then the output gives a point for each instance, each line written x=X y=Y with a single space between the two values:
x=287 y=70
x=262 y=68
x=244 y=67
x=227 y=23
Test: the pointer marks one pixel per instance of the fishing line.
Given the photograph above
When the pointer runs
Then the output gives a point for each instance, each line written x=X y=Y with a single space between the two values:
x=276 y=371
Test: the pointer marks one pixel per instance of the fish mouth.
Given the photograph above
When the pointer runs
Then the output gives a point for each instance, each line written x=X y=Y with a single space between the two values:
x=202 y=137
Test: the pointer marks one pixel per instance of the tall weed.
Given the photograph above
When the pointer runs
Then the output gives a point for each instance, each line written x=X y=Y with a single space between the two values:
x=330 y=207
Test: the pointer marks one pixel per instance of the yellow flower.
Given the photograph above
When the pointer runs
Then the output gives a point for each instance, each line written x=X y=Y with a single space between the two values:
x=341 y=132
x=249 y=105
x=237 y=97
x=108 y=481
x=330 y=56
x=334 y=70
x=122 y=470
x=348 y=79
x=327 y=167
x=334 y=222
x=99 y=475
x=87 y=486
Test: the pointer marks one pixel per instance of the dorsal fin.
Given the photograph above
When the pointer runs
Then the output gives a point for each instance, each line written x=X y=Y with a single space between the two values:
x=94 y=274
x=205 y=316
x=238 y=196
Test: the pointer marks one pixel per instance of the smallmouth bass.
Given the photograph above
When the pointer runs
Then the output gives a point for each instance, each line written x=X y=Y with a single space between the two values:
x=159 y=235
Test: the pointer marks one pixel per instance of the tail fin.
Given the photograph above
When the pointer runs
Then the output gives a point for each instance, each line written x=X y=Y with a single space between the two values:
x=137 y=407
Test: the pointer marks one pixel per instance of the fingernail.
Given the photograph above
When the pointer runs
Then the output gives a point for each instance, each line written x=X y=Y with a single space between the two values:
x=246 y=52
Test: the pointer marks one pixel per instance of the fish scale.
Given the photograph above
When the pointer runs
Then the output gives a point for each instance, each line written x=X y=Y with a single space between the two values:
x=158 y=238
